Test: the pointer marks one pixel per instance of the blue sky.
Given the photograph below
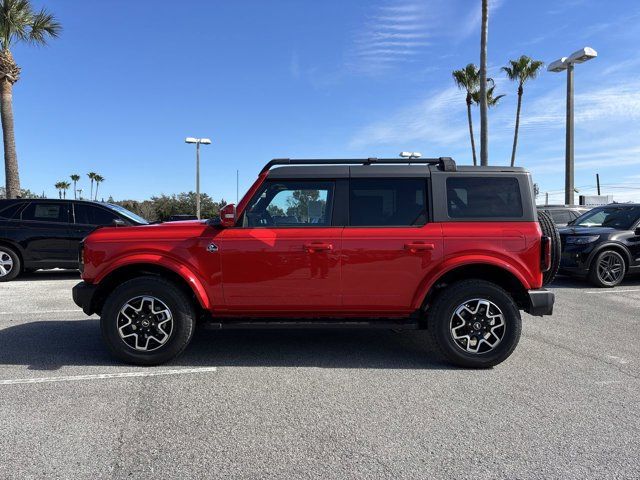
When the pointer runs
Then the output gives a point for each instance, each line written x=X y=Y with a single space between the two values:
x=127 y=81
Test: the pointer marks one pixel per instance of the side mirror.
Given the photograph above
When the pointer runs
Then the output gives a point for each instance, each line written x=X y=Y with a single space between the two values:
x=117 y=222
x=228 y=216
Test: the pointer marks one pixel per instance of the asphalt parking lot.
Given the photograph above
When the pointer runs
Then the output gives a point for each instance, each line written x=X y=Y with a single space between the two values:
x=327 y=404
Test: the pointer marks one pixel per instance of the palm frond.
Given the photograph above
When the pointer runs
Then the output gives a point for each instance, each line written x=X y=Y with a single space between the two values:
x=43 y=25
x=18 y=22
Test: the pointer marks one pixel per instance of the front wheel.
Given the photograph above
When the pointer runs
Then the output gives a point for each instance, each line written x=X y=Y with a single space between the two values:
x=608 y=269
x=474 y=324
x=147 y=321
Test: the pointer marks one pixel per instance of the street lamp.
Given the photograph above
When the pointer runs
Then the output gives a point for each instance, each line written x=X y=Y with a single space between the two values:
x=197 y=141
x=567 y=63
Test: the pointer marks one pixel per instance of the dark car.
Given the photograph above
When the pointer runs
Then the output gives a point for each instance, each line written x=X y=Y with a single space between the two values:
x=41 y=233
x=563 y=215
x=603 y=244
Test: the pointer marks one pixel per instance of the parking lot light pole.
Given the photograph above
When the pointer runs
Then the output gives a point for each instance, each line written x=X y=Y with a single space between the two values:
x=567 y=63
x=197 y=141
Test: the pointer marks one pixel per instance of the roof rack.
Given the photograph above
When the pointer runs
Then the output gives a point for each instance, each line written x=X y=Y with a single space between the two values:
x=446 y=164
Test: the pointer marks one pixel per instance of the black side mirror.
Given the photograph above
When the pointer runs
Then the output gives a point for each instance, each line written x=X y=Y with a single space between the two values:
x=214 y=222
x=117 y=222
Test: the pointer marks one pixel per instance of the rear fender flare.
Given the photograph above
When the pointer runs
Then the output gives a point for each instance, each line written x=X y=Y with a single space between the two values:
x=447 y=266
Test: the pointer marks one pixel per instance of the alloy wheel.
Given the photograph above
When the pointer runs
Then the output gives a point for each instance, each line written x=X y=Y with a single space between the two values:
x=477 y=326
x=6 y=264
x=145 y=323
x=610 y=268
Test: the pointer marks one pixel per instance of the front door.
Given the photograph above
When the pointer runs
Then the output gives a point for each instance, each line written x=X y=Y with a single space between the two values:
x=284 y=255
x=389 y=247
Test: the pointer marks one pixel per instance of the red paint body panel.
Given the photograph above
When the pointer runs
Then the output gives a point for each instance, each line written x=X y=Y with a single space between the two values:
x=315 y=271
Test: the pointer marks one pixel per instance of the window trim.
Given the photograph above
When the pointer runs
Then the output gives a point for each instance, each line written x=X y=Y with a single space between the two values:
x=427 y=200
x=330 y=196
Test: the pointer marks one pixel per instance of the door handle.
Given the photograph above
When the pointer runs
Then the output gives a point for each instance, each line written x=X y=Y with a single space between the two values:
x=414 y=247
x=318 y=247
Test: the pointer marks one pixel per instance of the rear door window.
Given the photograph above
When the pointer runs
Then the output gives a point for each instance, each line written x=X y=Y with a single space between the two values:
x=46 y=212
x=92 y=215
x=378 y=202
x=484 y=197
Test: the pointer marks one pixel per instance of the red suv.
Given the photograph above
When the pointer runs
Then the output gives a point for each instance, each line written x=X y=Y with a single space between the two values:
x=457 y=251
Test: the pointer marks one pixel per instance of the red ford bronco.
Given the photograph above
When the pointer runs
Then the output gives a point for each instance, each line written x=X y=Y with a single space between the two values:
x=391 y=243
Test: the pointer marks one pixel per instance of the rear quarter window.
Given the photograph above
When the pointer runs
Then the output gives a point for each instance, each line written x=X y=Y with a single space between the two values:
x=484 y=197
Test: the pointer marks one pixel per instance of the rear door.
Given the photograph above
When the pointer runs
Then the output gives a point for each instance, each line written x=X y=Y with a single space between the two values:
x=285 y=253
x=46 y=234
x=389 y=246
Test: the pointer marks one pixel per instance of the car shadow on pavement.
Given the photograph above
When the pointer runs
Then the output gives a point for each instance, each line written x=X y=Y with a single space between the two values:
x=50 y=345
x=48 y=275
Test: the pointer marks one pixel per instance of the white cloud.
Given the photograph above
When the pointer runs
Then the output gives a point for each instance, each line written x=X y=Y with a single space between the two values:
x=429 y=121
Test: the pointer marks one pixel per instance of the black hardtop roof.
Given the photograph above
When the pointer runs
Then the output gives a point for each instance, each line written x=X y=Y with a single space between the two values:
x=8 y=201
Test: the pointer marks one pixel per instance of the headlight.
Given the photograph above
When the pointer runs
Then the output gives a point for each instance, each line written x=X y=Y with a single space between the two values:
x=582 y=240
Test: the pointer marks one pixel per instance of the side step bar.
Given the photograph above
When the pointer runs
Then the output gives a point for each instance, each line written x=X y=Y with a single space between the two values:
x=233 y=324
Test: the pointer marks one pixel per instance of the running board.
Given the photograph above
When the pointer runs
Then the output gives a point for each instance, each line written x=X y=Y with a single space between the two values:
x=309 y=324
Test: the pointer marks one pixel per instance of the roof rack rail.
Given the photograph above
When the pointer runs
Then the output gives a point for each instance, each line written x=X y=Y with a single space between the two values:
x=446 y=164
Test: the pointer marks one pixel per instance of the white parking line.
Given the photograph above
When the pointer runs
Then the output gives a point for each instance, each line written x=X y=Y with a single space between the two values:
x=615 y=291
x=33 y=312
x=106 y=376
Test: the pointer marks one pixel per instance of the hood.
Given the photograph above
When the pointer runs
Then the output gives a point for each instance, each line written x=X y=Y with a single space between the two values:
x=167 y=230
x=586 y=230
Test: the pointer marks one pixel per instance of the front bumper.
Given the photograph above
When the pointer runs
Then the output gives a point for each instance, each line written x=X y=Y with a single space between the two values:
x=541 y=302
x=83 y=295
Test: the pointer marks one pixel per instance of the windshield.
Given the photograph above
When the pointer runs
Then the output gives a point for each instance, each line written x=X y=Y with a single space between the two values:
x=130 y=215
x=621 y=218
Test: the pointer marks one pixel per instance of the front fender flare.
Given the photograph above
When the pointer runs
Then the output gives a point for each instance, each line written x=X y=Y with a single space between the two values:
x=186 y=273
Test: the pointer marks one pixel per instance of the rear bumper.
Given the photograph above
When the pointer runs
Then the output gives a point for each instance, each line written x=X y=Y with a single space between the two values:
x=83 y=295
x=541 y=302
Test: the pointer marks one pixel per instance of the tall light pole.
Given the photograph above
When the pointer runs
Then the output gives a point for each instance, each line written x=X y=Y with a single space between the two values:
x=197 y=141
x=567 y=63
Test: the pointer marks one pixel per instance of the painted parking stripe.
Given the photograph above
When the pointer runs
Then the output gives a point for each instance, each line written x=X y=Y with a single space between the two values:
x=615 y=291
x=34 y=312
x=107 y=376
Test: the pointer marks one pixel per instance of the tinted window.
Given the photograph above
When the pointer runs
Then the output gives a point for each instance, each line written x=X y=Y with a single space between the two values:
x=289 y=204
x=45 y=212
x=561 y=216
x=11 y=210
x=90 y=215
x=483 y=197
x=387 y=202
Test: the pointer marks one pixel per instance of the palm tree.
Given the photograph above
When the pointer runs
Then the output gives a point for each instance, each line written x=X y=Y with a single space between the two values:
x=75 y=178
x=64 y=186
x=99 y=179
x=92 y=176
x=467 y=78
x=521 y=70
x=484 y=116
x=18 y=23
x=491 y=100
x=59 y=188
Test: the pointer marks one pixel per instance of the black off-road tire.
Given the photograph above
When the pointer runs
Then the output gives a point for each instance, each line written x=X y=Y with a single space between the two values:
x=16 y=264
x=597 y=279
x=550 y=230
x=179 y=304
x=441 y=313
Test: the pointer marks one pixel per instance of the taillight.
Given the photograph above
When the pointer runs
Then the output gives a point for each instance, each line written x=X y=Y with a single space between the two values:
x=81 y=257
x=545 y=260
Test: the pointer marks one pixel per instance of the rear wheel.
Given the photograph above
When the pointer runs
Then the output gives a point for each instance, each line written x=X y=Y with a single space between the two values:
x=9 y=264
x=550 y=230
x=607 y=269
x=147 y=321
x=474 y=324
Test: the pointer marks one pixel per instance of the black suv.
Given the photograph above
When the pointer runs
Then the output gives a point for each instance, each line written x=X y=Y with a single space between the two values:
x=41 y=233
x=603 y=244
